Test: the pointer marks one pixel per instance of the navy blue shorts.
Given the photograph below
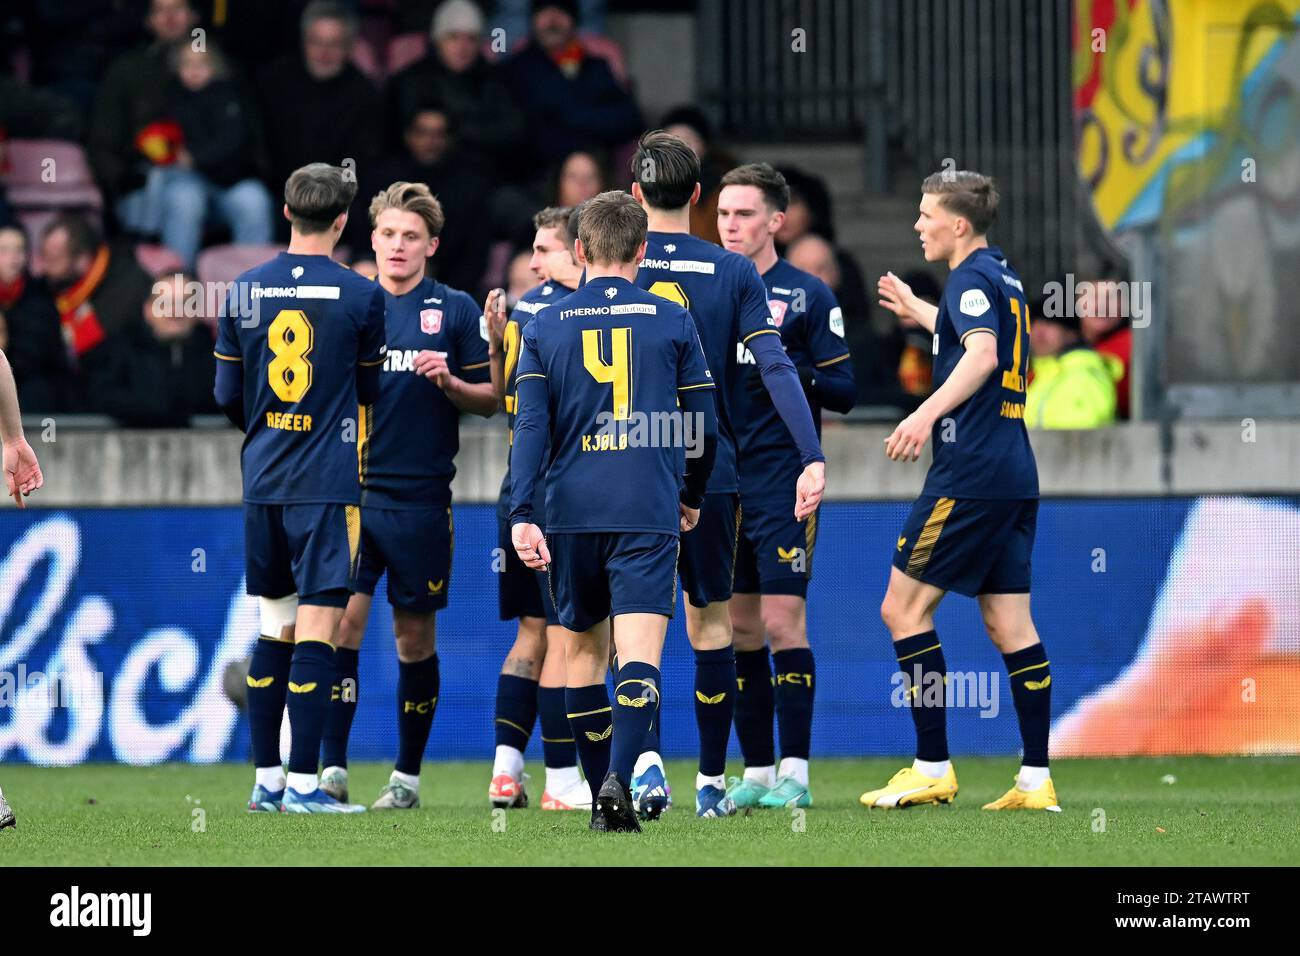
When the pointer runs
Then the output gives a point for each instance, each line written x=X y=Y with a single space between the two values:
x=598 y=574
x=969 y=545
x=709 y=551
x=307 y=549
x=521 y=591
x=414 y=548
x=775 y=553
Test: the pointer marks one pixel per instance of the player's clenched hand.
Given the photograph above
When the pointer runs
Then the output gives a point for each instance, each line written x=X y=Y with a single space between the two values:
x=896 y=296
x=530 y=545
x=908 y=438
x=22 y=472
x=808 y=491
x=433 y=366
x=494 y=308
x=690 y=516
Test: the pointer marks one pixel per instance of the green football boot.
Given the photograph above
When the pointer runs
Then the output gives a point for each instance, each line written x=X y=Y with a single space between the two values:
x=789 y=793
x=746 y=794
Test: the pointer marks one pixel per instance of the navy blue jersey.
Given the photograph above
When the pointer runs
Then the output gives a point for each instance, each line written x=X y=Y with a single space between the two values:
x=725 y=296
x=812 y=331
x=313 y=323
x=410 y=436
x=529 y=304
x=986 y=453
x=613 y=358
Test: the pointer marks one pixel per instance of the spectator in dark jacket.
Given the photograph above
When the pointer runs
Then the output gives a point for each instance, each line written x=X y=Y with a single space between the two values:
x=97 y=287
x=473 y=92
x=316 y=106
x=219 y=158
x=158 y=371
x=33 y=340
x=133 y=97
x=570 y=100
x=431 y=155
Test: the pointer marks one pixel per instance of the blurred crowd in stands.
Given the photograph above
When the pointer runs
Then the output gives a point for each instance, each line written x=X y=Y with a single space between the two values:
x=145 y=144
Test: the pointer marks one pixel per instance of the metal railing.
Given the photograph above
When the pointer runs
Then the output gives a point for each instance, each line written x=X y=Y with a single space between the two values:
x=982 y=84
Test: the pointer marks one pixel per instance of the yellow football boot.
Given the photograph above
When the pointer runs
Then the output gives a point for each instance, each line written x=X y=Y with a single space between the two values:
x=1044 y=798
x=909 y=788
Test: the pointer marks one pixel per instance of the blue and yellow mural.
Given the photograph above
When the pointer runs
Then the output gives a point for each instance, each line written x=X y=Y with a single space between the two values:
x=1187 y=116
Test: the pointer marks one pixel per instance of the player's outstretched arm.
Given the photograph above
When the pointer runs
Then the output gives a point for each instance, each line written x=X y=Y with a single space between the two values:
x=897 y=296
x=786 y=391
x=976 y=365
x=22 y=471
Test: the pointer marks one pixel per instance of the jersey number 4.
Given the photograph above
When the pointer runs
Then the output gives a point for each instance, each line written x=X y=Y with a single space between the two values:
x=1014 y=377
x=289 y=339
x=617 y=371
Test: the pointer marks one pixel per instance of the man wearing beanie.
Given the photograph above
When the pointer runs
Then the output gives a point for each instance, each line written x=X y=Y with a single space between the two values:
x=472 y=92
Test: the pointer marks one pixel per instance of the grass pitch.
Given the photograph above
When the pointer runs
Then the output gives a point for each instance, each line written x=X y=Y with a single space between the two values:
x=1240 y=811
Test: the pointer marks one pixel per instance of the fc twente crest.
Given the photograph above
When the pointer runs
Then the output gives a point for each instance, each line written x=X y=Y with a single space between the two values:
x=778 y=307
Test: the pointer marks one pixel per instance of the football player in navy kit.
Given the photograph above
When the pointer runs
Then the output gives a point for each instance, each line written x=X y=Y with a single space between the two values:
x=437 y=367
x=972 y=529
x=530 y=688
x=775 y=553
x=290 y=372
x=594 y=371
x=728 y=302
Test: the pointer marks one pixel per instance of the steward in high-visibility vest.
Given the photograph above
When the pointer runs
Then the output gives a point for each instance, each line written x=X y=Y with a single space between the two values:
x=1074 y=388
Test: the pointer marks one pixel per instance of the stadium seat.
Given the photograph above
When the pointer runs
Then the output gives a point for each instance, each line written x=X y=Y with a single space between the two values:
x=158 y=260
x=403 y=50
x=72 y=187
x=225 y=263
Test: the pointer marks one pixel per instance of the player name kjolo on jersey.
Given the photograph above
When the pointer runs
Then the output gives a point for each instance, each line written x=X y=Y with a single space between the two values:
x=627 y=308
x=679 y=265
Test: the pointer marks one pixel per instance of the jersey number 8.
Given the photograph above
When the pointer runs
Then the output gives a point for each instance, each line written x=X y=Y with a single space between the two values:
x=289 y=339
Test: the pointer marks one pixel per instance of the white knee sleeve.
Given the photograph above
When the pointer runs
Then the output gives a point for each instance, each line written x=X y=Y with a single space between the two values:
x=277 y=613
